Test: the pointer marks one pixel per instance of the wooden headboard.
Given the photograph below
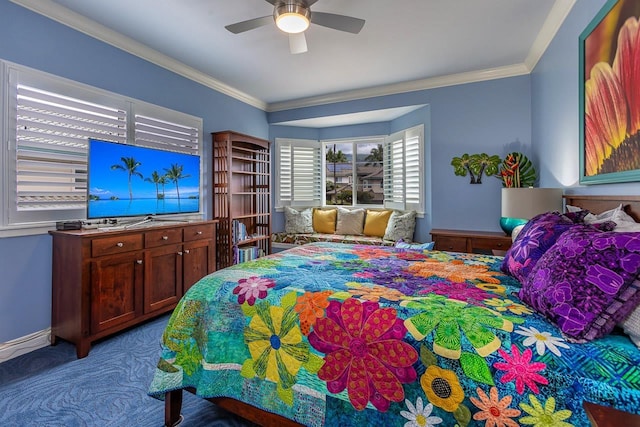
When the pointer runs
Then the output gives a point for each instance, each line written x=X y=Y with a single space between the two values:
x=597 y=204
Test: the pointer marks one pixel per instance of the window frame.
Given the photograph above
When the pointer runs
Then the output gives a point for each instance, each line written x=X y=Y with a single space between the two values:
x=15 y=222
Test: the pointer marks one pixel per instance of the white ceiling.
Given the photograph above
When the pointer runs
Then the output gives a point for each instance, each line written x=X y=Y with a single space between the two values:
x=404 y=45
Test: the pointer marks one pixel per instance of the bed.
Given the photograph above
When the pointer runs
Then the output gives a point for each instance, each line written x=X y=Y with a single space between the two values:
x=338 y=334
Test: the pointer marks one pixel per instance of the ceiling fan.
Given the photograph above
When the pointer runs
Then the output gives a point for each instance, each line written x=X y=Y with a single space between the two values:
x=294 y=17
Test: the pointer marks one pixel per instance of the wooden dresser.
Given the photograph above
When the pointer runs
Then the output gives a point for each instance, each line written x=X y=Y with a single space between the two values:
x=489 y=242
x=106 y=281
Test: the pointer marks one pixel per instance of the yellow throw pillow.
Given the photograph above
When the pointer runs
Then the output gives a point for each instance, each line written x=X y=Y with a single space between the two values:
x=324 y=220
x=375 y=223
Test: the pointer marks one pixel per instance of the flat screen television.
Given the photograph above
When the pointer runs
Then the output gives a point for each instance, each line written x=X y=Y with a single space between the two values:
x=128 y=181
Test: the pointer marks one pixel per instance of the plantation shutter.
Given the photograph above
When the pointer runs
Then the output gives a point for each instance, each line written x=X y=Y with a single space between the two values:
x=154 y=128
x=300 y=173
x=403 y=170
x=414 y=187
x=394 y=171
x=51 y=140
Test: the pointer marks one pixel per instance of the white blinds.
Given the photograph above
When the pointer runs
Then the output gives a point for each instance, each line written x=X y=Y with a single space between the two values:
x=414 y=184
x=165 y=135
x=403 y=180
x=394 y=171
x=300 y=174
x=51 y=146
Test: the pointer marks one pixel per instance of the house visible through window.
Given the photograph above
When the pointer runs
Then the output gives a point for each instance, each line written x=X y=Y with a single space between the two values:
x=373 y=171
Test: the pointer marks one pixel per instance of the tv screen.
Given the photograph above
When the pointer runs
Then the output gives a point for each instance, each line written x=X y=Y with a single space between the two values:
x=125 y=180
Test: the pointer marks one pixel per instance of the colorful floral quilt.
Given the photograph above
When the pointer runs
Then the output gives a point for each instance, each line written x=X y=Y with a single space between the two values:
x=336 y=334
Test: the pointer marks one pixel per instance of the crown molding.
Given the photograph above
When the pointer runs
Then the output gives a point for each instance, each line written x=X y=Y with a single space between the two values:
x=91 y=28
x=550 y=28
x=552 y=24
x=411 y=86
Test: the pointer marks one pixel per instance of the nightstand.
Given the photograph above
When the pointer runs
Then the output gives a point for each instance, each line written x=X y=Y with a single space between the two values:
x=484 y=242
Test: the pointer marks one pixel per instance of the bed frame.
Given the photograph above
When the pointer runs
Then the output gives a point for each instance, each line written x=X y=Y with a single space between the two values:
x=599 y=415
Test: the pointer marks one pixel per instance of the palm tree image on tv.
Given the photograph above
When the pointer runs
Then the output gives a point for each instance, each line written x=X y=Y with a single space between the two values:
x=110 y=195
x=174 y=174
x=156 y=179
x=129 y=165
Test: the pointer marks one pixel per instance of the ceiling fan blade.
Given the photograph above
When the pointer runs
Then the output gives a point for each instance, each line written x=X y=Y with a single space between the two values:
x=338 y=22
x=297 y=43
x=241 y=27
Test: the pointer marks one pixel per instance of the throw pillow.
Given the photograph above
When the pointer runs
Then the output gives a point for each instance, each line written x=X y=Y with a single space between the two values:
x=324 y=220
x=415 y=246
x=400 y=226
x=298 y=221
x=535 y=238
x=375 y=222
x=350 y=221
x=631 y=326
x=586 y=283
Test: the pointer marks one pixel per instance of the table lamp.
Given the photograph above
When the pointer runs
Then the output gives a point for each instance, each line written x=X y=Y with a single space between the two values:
x=521 y=204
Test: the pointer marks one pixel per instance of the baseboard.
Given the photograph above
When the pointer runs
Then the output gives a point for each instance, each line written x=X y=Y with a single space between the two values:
x=26 y=344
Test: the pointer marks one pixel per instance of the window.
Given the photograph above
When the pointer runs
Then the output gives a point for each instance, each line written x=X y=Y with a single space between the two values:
x=373 y=171
x=46 y=126
x=353 y=172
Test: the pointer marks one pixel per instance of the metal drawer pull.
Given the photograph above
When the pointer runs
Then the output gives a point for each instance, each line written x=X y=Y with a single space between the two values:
x=139 y=261
x=180 y=253
x=186 y=251
x=198 y=232
x=119 y=244
x=165 y=237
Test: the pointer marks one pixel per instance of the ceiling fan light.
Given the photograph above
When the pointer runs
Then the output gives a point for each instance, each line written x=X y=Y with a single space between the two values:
x=292 y=22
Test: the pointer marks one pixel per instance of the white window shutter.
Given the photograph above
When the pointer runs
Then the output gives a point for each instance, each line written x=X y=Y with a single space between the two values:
x=394 y=171
x=158 y=128
x=414 y=171
x=51 y=140
x=299 y=174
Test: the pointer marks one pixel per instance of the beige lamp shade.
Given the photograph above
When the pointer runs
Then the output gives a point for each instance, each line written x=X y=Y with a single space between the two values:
x=528 y=202
x=521 y=204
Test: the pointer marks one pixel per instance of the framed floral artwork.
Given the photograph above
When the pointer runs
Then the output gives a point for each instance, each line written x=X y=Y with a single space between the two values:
x=610 y=95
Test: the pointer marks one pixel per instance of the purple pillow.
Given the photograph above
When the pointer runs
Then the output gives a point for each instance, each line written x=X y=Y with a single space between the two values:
x=587 y=282
x=535 y=238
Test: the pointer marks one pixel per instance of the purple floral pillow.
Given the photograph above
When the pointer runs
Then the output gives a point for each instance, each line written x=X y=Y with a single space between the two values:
x=587 y=282
x=535 y=238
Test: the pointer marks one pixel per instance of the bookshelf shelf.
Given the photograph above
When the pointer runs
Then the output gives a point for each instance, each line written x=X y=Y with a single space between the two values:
x=242 y=197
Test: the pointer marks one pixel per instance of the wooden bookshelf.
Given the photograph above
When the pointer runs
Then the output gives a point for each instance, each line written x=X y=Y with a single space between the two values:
x=242 y=193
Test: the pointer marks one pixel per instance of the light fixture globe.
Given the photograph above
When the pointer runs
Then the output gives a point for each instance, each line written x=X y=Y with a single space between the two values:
x=292 y=18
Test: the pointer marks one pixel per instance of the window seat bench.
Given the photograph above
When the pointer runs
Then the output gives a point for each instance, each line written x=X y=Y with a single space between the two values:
x=283 y=240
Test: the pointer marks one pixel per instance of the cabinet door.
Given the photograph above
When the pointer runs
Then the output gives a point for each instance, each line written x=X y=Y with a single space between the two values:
x=198 y=261
x=162 y=277
x=116 y=290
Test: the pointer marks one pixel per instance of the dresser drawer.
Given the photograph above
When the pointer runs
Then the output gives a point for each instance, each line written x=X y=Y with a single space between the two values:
x=162 y=237
x=115 y=244
x=452 y=244
x=198 y=232
x=490 y=243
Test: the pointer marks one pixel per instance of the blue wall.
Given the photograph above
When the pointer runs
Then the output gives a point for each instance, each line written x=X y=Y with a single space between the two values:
x=32 y=40
x=555 y=108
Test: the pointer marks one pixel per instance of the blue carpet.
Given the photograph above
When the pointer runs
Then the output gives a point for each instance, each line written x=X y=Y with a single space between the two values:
x=50 y=387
